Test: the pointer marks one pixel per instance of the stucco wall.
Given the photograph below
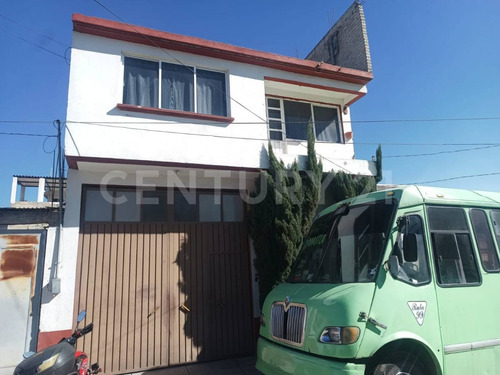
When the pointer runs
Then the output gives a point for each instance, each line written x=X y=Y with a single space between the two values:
x=97 y=128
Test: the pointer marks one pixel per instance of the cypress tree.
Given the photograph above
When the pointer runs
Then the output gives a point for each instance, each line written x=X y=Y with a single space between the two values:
x=280 y=220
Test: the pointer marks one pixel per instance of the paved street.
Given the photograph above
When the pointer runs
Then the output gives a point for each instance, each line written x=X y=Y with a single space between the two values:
x=236 y=366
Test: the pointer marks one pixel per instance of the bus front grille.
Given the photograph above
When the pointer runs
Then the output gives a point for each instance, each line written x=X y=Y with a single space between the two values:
x=288 y=323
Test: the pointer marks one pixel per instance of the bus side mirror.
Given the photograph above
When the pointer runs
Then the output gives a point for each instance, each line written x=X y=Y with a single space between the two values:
x=392 y=265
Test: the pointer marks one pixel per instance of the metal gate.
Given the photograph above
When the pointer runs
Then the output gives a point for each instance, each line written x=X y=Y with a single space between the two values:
x=164 y=294
x=21 y=270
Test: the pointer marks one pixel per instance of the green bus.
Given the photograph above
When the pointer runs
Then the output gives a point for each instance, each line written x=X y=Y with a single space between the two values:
x=404 y=281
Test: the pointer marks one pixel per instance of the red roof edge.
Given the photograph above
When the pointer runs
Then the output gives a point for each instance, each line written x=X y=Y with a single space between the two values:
x=142 y=35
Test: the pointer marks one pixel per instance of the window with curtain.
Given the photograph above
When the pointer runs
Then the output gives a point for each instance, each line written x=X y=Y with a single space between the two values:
x=296 y=116
x=211 y=92
x=177 y=82
x=140 y=82
x=176 y=85
x=326 y=126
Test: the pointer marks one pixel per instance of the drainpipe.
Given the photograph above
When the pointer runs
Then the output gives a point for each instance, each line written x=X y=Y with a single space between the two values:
x=55 y=281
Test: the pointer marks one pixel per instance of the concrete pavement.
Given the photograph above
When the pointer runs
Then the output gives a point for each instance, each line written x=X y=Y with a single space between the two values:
x=235 y=366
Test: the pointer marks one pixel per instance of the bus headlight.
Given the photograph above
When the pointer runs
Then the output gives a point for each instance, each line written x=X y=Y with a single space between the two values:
x=339 y=335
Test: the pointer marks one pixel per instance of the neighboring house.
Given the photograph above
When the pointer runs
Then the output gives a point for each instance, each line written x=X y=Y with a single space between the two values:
x=28 y=237
x=164 y=136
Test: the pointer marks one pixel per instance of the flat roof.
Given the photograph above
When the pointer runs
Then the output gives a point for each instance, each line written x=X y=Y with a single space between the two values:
x=160 y=39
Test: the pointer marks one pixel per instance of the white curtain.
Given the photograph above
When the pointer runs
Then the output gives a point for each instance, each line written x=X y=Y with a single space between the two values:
x=211 y=93
x=140 y=82
x=177 y=87
x=326 y=124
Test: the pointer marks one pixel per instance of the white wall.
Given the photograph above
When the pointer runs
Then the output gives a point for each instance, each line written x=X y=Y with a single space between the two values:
x=96 y=87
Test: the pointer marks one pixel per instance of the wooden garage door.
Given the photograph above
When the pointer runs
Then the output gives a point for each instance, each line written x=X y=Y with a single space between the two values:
x=164 y=294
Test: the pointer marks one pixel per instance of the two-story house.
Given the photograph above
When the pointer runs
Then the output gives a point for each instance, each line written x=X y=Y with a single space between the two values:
x=165 y=136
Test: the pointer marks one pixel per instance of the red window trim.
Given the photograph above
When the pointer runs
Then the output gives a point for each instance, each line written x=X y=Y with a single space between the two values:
x=174 y=113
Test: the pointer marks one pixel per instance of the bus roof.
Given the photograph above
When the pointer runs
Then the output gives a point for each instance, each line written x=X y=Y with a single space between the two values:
x=412 y=195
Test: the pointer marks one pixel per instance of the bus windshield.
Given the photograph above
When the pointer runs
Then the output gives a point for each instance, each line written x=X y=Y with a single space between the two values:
x=345 y=246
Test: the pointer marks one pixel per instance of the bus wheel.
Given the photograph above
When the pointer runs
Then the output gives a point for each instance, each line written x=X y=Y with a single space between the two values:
x=400 y=364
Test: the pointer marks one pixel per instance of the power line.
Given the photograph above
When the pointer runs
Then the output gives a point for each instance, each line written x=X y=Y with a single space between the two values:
x=263 y=122
x=124 y=123
x=454 y=178
x=198 y=134
x=28 y=134
x=428 y=120
x=441 y=152
x=115 y=126
x=426 y=144
x=24 y=122
x=34 y=31
x=32 y=43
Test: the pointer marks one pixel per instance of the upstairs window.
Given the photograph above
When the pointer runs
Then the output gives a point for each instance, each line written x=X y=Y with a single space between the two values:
x=289 y=120
x=172 y=86
x=141 y=83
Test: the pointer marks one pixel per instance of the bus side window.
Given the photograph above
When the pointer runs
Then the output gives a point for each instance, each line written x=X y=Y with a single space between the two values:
x=495 y=218
x=411 y=252
x=484 y=241
x=452 y=246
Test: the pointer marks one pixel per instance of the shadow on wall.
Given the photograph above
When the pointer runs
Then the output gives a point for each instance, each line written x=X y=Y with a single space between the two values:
x=214 y=293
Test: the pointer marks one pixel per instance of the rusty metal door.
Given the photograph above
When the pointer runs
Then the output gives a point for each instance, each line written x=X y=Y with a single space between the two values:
x=164 y=294
x=20 y=253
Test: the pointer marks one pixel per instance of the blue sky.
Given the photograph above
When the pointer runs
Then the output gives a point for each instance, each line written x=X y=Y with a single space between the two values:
x=431 y=60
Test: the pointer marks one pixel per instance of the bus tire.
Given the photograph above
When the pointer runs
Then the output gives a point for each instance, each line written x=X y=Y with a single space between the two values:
x=400 y=363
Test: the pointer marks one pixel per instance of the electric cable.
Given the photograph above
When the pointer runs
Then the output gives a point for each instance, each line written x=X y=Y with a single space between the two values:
x=32 y=43
x=28 y=134
x=34 y=31
x=263 y=122
x=207 y=135
x=454 y=178
x=440 y=152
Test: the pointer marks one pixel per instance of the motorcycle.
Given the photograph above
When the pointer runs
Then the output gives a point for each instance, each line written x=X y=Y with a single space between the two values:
x=61 y=358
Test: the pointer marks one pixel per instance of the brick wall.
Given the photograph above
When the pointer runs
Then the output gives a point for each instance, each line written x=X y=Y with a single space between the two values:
x=346 y=43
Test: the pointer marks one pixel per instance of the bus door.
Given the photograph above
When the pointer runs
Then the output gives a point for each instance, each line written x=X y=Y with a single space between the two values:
x=404 y=304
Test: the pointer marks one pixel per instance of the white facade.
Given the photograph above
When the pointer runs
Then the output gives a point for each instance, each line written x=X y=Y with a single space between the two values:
x=105 y=144
x=96 y=128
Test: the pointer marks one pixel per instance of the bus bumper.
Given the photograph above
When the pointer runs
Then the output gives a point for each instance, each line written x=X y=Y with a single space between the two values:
x=274 y=359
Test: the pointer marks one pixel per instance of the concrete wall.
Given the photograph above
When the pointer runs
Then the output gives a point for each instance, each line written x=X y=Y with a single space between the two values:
x=352 y=41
